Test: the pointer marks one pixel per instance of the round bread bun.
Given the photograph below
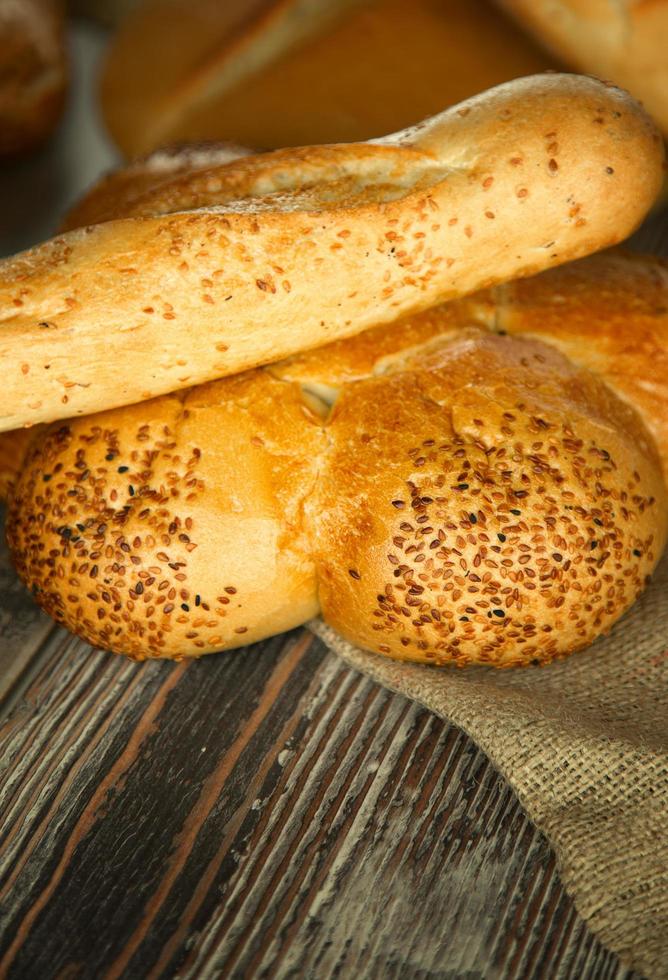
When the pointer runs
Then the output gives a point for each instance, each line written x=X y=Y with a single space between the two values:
x=459 y=496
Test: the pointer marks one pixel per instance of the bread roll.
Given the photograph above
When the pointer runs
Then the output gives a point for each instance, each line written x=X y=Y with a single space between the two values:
x=279 y=73
x=439 y=491
x=626 y=41
x=33 y=72
x=222 y=268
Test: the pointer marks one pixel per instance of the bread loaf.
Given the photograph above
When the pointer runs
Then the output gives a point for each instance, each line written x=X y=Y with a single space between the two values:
x=33 y=72
x=451 y=489
x=273 y=73
x=220 y=268
x=625 y=41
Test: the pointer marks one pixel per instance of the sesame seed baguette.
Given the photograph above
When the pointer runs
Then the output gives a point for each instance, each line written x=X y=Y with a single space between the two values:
x=251 y=260
x=439 y=491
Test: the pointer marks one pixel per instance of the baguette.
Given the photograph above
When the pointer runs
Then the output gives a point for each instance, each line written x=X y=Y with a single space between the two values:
x=223 y=268
x=272 y=73
x=451 y=489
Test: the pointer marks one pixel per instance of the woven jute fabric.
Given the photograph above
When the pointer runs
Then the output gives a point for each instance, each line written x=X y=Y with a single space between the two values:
x=584 y=744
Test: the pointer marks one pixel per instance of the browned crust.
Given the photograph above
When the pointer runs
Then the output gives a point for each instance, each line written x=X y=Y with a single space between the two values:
x=224 y=268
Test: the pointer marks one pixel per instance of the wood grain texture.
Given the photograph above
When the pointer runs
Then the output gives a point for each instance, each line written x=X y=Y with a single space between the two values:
x=263 y=813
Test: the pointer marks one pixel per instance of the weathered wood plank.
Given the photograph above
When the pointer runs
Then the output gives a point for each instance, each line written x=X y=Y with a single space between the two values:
x=264 y=813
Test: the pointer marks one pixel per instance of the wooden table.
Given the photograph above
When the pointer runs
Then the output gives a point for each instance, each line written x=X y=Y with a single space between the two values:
x=263 y=813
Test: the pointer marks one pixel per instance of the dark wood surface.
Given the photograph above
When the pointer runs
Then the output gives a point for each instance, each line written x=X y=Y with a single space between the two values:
x=263 y=813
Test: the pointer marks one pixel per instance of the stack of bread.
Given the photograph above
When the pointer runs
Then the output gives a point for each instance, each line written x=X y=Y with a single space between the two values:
x=349 y=380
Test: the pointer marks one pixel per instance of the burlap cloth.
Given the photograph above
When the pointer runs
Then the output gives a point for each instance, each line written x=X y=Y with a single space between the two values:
x=584 y=744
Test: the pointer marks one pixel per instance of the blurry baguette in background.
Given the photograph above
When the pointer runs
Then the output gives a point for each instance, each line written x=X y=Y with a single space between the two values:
x=107 y=12
x=625 y=42
x=296 y=72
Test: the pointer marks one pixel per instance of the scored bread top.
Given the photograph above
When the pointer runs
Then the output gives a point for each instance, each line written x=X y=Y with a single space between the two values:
x=607 y=313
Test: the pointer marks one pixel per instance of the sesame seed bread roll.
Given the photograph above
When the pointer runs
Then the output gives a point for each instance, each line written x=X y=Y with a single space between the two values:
x=625 y=41
x=440 y=492
x=507 y=509
x=232 y=266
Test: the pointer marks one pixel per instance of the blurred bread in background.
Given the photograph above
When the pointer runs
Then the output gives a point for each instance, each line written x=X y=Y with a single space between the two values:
x=107 y=12
x=296 y=72
x=625 y=41
x=33 y=72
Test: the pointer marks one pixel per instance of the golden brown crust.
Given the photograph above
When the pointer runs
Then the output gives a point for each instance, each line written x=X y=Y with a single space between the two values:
x=288 y=250
x=607 y=313
x=269 y=73
x=624 y=41
x=470 y=498
x=33 y=72
x=489 y=503
x=173 y=527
